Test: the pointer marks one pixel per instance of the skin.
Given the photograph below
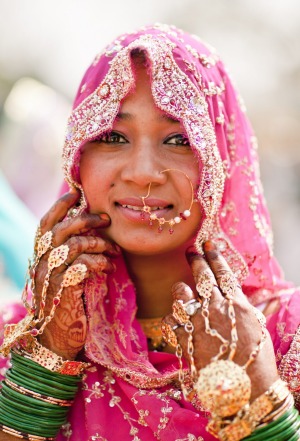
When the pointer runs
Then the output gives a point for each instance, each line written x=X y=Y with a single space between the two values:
x=121 y=166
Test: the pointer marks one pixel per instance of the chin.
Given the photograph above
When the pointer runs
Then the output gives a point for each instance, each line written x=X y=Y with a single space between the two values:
x=150 y=242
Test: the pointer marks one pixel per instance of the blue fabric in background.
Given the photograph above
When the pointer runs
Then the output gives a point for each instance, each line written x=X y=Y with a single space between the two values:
x=17 y=230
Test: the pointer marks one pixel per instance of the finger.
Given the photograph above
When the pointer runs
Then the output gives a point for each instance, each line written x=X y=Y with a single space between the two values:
x=59 y=210
x=206 y=283
x=78 y=225
x=215 y=259
x=222 y=271
x=90 y=245
x=96 y=263
x=170 y=329
x=181 y=291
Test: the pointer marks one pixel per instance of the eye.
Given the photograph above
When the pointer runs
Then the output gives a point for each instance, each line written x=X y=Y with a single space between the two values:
x=111 y=138
x=178 y=139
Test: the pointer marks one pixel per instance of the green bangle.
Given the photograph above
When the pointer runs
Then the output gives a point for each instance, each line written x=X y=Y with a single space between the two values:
x=48 y=381
x=35 y=401
x=17 y=419
x=289 y=431
x=30 y=425
x=27 y=414
x=24 y=362
x=24 y=428
x=18 y=411
x=18 y=399
x=275 y=428
x=296 y=437
x=40 y=388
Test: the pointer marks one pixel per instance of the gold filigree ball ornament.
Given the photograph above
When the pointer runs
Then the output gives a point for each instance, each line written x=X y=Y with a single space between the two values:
x=223 y=388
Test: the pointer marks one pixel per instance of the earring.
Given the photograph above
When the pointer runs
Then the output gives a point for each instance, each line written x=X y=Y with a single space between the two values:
x=161 y=220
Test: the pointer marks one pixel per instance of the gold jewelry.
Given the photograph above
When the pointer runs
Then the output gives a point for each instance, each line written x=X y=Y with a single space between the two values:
x=249 y=417
x=161 y=220
x=168 y=334
x=211 y=331
x=205 y=285
x=42 y=245
x=228 y=285
x=262 y=320
x=189 y=328
x=14 y=332
x=34 y=351
x=56 y=258
x=37 y=236
x=152 y=328
x=223 y=387
x=183 y=311
x=74 y=275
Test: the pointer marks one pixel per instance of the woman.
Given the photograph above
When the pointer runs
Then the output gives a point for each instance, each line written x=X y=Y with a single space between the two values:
x=164 y=218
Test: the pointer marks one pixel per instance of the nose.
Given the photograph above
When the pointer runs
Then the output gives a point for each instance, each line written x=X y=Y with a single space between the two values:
x=143 y=166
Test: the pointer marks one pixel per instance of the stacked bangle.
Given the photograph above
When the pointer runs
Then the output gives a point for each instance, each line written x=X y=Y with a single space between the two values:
x=270 y=416
x=34 y=401
x=285 y=428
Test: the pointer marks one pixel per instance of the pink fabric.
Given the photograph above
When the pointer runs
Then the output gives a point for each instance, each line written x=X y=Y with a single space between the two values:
x=128 y=392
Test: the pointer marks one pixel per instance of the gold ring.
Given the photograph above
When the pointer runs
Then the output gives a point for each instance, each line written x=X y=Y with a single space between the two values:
x=205 y=285
x=182 y=312
x=228 y=285
x=168 y=334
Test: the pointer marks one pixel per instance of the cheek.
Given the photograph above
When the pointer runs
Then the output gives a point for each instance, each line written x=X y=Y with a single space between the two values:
x=95 y=179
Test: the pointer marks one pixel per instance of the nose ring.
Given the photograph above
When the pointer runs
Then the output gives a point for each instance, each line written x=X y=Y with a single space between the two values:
x=161 y=220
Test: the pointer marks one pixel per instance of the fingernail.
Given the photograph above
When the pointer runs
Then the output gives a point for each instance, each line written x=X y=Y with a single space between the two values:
x=104 y=216
x=209 y=245
x=191 y=251
x=73 y=190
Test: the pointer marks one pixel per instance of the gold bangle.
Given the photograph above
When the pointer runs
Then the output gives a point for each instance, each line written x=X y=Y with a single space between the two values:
x=49 y=360
x=249 y=417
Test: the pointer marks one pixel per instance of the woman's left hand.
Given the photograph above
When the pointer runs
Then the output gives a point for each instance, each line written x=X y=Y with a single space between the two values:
x=262 y=371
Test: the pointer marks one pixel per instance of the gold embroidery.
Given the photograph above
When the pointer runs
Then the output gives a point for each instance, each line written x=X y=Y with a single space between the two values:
x=289 y=368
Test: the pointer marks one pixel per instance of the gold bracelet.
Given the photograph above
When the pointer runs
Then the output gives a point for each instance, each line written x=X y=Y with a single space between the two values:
x=49 y=360
x=249 y=417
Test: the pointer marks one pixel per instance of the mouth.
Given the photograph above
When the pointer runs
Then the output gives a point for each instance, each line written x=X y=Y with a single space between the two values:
x=140 y=208
x=133 y=208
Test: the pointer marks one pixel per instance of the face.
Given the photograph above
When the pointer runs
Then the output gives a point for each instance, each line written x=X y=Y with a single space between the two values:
x=117 y=168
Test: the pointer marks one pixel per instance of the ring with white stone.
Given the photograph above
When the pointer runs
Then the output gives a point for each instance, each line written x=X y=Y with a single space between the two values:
x=183 y=311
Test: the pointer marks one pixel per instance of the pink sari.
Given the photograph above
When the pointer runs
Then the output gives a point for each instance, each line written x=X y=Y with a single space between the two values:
x=130 y=393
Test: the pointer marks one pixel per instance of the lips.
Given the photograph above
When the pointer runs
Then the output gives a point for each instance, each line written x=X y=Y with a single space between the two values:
x=132 y=208
x=140 y=208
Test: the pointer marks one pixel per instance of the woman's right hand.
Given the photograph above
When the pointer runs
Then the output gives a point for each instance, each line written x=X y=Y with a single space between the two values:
x=66 y=333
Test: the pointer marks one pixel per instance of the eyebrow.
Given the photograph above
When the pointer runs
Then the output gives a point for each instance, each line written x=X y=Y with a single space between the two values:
x=125 y=116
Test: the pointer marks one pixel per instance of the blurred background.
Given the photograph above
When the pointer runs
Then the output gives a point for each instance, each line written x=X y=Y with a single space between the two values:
x=45 y=47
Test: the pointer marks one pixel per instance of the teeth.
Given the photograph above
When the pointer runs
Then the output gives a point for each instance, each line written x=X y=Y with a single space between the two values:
x=134 y=207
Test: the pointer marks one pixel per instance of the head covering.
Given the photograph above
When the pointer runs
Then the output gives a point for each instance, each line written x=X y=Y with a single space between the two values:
x=189 y=82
